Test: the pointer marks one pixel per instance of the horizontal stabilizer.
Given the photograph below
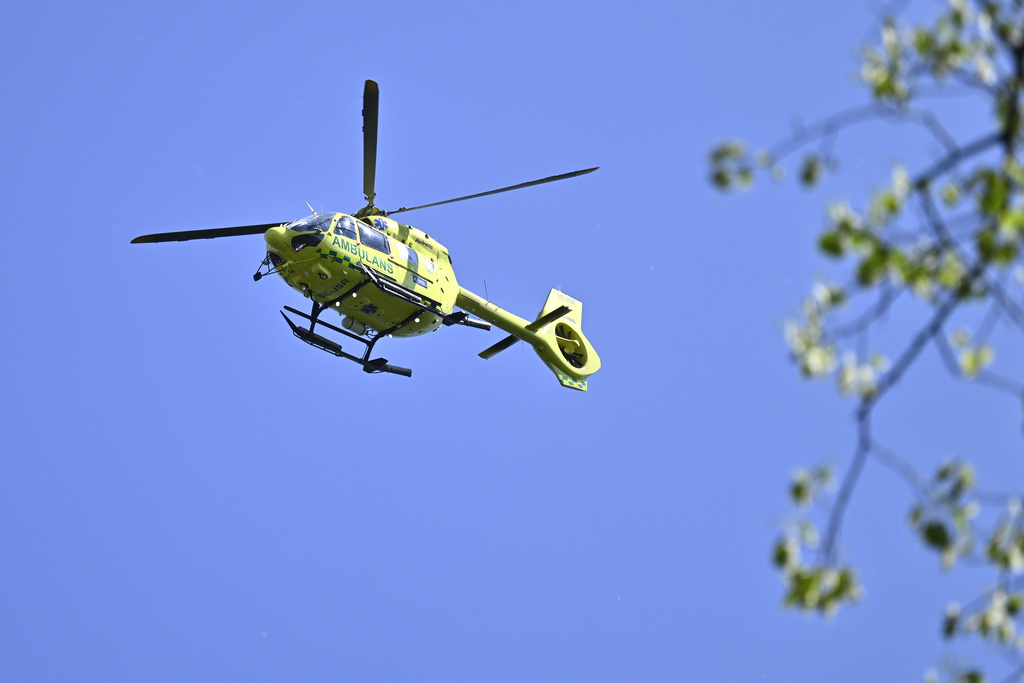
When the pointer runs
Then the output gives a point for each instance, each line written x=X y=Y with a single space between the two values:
x=547 y=318
x=537 y=324
x=499 y=347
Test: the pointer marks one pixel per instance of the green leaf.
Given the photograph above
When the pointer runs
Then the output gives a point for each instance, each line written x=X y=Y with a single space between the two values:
x=950 y=194
x=951 y=621
x=810 y=171
x=986 y=241
x=1012 y=222
x=831 y=243
x=972 y=676
x=786 y=553
x=973 y=361
x=936 y=535
x=1014 y=604
x=872 y=267
x=923 y=41
x=745 y=177
x=995 y=192
x=884 y=206
x=916 y=514
x=965 y=476
x=952 y=272
x=726 y=151
x=800 y=490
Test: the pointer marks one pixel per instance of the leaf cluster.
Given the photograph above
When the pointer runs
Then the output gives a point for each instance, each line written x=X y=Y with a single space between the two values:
x=942 y=517
x=811 y=585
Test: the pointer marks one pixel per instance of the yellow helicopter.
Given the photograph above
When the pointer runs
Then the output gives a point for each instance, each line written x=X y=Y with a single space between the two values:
x=389 y=279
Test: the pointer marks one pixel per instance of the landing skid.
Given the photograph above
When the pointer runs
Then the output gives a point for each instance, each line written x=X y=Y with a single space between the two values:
x=334 y=348
x=392 y=289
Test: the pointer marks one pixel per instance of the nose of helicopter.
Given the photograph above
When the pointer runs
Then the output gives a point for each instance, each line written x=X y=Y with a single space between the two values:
x=277 y=239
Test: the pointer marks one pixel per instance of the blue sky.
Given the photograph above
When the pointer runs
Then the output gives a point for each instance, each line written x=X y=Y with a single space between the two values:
x=189 y=493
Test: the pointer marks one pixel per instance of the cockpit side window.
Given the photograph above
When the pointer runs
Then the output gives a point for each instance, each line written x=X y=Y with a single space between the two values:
x=306 y=239
x=346 y=227
x=373 y=239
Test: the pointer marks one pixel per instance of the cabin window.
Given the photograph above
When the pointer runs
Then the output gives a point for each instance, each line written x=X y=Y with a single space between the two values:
x=346 y=227
x=373 y=239
x=406 y=254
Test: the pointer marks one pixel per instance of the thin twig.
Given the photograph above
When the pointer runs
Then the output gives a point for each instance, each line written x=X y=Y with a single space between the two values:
x=835 y=520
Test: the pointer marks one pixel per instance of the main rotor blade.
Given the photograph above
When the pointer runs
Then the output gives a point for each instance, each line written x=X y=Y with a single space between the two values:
x=371 y=99
x=549 y=179
x=206 y=234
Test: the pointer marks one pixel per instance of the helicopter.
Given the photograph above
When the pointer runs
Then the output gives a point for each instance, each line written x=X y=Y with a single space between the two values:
x=387 y=279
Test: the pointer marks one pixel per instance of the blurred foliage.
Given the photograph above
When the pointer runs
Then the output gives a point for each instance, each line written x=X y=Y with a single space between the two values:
x=944 y=239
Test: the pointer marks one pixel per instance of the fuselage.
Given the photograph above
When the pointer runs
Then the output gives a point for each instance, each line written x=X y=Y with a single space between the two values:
x=327 y=257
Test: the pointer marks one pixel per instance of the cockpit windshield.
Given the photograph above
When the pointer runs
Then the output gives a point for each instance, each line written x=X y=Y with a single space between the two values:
x=321 y=222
